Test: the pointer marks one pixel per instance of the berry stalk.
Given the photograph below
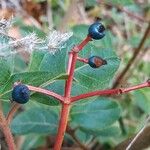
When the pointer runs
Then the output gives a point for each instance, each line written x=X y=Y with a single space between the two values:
x=11 y=113
x=7 y=133
x=46 y=92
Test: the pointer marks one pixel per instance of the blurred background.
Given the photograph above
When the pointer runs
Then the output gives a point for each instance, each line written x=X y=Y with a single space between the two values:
x=128 y=22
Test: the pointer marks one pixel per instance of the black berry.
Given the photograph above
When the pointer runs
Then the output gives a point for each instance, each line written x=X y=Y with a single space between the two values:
x=21 y=94
x=97 y=31
x=96 y=61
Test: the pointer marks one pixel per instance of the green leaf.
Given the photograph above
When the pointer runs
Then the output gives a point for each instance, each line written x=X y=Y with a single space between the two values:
x=35 y=60
x=95 y=115
x=19 y=64
x=121 y=2
x=142 y=101
x=4 y=72
x=33 y=141
x=57 y=87
x=42 y=120
x=25 y=30
x=83 y=136
x=105 y=132
x=33 y=78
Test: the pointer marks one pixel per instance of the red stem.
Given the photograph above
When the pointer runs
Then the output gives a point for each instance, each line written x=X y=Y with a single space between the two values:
x=12 y=112
x=67 y=101
x=47 y=92
x=6 y=130
x=74 y=56
x=66 y=105
x=82 y=44
x=110 y=91
x=62 y=126
x=84 y=60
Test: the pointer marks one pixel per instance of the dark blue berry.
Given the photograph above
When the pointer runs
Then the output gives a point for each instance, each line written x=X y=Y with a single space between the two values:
x=21 y=94
x=97 y=31
x=96 y=61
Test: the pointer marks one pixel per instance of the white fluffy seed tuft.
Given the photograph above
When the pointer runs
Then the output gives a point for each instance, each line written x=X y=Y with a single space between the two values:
x=56 y=40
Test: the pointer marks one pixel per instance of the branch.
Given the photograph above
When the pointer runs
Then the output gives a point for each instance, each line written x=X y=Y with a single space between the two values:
x=12 y=112
x=138 y=134
x=126 y=11
x=46 y=92
x=110 y=91
x=6 y=130
x=71 y=132
x=68 y=86
x=120 y=78
x=141 y=142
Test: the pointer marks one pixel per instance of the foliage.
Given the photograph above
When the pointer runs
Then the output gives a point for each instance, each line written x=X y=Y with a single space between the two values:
x=93 y=117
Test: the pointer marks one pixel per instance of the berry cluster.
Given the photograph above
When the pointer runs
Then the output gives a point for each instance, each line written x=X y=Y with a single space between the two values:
x=21 y=93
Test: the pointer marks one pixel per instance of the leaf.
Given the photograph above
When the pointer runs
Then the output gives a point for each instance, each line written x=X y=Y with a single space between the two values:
x=33 y=78
x=83 y=136
x=105 y=132
x=141 y=101
x=4 y=72
x=32 y=141
x=121 y=2
x=19 y=64
x=25 y=30
x=57 y=87
x=95 y=115
x=41 y=120
x=35 y=60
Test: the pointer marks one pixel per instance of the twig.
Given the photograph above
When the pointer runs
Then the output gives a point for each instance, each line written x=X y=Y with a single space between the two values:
x=122 y=9
x=138 y=134
x=110 y=91
x=68 y=86
x=120 y=78
x=11 y=113
x=6 y=130
x=71 y=132
x=47 y=92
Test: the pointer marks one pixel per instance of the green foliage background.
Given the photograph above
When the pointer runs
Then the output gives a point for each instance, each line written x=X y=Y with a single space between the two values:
x=94 y=117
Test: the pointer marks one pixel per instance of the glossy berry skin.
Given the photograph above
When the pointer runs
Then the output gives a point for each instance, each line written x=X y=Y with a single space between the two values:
x=96 y=31
x=96 y=61
x=21 y=94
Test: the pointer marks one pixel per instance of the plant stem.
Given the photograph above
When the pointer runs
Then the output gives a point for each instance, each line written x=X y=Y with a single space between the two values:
x=11 y=113
x=120 y=78
x=83 y=43
x=110 y=91
x=62 y=126
x=66 y=105
x=46 y=92
x=66 y=99
x=84 y=60
x=122 y=9
x=7 y=133
x=71 y=132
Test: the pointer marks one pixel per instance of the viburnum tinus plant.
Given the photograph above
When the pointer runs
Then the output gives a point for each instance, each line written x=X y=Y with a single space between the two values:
x=78 y=86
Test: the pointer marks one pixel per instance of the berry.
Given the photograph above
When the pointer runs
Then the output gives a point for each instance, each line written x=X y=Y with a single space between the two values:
x=96 y=31
x=96 y=61
x=21 y=94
